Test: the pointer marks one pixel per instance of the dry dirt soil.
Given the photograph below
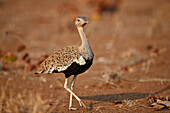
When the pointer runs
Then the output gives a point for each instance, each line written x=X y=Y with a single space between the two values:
x=130 y=40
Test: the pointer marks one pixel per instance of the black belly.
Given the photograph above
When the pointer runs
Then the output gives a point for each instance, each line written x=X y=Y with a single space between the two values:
x=75 y=69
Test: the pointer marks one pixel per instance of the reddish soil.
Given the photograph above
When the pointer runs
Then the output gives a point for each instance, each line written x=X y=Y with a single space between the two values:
x=131 y=43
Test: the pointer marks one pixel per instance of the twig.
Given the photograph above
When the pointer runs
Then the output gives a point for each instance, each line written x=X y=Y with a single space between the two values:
x=3 y=94
x=146 y=79
x=154 y=79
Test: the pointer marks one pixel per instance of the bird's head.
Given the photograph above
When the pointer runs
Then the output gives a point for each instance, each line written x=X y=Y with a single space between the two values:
x=81 y=21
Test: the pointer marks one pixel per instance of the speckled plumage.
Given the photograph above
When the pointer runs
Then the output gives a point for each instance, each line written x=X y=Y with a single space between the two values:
x=62 y=59
x=71 y=60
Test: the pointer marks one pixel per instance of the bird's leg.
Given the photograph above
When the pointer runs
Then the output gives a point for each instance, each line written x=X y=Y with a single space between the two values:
x=78 y=99
x=71 y=87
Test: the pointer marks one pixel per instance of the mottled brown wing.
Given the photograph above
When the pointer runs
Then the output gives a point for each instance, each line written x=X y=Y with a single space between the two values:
x=59 y=61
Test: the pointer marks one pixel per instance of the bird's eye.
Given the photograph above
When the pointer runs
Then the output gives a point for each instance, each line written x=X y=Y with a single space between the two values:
x=78 y=20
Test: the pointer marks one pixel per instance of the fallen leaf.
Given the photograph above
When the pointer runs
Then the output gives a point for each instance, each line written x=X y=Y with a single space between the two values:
x=27 y=60
x=21 y=48
x=25 y=56
x=10 y=57
x=156 y=51
x=158 y=107
x=125 y=68
x=149 y=47
x=5 y=68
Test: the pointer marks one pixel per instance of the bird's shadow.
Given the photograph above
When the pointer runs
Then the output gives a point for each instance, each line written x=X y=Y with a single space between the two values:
x=119 y=97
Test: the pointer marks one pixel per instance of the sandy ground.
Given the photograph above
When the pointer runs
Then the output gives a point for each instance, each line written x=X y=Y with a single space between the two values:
x=131 y=43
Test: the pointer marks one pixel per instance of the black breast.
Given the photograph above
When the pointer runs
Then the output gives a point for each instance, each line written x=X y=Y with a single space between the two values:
x=75 y=69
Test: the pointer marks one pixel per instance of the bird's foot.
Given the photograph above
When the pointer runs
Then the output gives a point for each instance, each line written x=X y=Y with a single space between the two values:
x=70 y=108
x=82 y=104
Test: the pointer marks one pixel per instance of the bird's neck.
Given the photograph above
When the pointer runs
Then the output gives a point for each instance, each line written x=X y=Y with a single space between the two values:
x=84 y=40
x=85 y=48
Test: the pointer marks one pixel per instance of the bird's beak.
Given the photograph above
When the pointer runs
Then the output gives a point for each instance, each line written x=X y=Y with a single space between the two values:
x=88 y=22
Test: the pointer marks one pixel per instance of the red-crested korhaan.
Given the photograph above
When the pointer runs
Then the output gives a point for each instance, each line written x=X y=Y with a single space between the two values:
x=71 y=60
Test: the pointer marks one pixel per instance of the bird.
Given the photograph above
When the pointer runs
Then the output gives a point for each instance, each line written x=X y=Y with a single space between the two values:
x=70 y=60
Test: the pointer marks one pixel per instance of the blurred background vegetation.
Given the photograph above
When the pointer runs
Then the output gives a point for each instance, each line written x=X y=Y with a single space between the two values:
x=129 y=38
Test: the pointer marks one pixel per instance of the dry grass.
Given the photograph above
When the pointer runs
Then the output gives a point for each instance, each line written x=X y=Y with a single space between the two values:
x=25 y=102
x=131 y=48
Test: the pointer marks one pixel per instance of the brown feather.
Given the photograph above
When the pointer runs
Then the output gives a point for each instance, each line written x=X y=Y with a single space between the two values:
x=62 y=57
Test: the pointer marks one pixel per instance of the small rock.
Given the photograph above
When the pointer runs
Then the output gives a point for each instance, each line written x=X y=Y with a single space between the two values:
x=86 y=86
x=51 y=85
